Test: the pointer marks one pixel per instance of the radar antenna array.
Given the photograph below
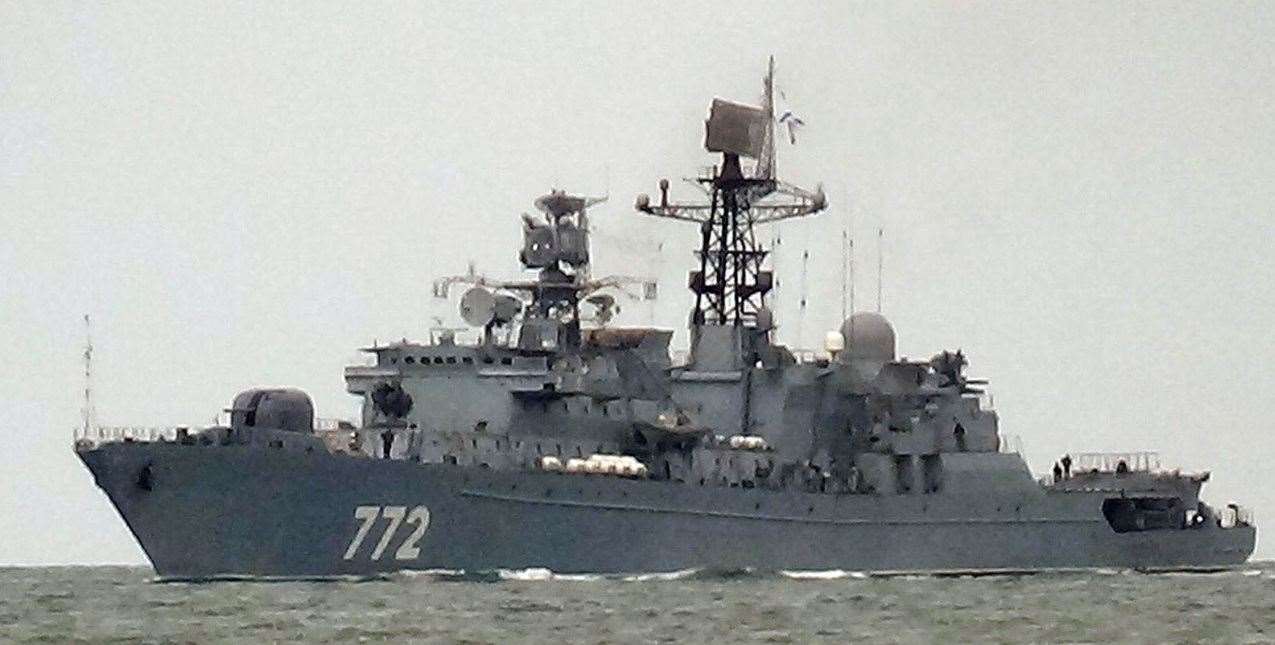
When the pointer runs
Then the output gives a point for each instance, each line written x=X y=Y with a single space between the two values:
x=557 y=247
x=730 y=285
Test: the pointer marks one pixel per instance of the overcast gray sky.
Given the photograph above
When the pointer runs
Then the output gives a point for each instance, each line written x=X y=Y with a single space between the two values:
x=1079 y=195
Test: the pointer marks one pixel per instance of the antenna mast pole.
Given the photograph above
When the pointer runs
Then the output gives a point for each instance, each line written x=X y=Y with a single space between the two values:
x=89 y=413
x=852 y=275
x=845 y=267
x=880 y=265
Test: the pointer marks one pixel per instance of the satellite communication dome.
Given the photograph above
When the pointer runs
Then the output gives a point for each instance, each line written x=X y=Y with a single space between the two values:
x=869 y=336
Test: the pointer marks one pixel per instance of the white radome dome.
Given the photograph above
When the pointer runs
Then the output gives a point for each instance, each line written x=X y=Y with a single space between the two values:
x=868 y=335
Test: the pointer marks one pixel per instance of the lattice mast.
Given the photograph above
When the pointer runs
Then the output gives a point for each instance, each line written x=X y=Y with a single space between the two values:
x=730 y=285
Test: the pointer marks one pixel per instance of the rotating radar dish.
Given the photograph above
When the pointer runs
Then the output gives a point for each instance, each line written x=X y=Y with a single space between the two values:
x=477 y=307
x=559 y=204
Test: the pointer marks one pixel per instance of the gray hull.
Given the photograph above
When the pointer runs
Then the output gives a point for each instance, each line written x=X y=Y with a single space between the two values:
x=202 y=511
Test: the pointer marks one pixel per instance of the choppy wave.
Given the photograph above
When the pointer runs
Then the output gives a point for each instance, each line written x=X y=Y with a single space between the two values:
x=542 y=574
x=668 y=576
x=692 y=605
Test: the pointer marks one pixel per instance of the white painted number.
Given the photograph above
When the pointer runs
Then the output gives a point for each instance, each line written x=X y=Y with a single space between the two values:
x=395 y=515
x=409 y=550
x=368 y=515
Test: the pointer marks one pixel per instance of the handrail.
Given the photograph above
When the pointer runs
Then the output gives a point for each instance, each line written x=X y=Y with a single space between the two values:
x=1141 y=461
x=101 y=434
x=116 y=434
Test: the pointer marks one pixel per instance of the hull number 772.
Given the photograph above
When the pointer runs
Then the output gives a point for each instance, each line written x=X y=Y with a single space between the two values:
x=418 y=516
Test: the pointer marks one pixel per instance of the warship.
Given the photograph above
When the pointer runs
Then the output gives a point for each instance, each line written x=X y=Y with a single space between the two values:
x=557 y=439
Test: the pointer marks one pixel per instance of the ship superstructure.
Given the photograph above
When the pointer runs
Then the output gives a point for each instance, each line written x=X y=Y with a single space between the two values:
x=556 y=439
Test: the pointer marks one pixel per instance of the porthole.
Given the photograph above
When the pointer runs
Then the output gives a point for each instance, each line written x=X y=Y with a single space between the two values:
x=438 y=360
x=451 y=360
x=409 y=360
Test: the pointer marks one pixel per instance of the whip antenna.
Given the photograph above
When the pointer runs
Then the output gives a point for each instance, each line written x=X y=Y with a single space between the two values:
x=880 y=265
x=89 y=413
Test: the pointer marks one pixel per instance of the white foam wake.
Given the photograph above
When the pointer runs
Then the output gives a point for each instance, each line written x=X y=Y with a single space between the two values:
x=667 y=575
x=829 y=574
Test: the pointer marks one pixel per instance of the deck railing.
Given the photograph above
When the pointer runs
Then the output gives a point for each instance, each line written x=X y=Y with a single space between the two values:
x=1143 y=461
x=1235 y=515
x=113 y=434
x=108 y=434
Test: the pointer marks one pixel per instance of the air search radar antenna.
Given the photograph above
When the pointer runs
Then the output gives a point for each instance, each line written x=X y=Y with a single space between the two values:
x=730 y=285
